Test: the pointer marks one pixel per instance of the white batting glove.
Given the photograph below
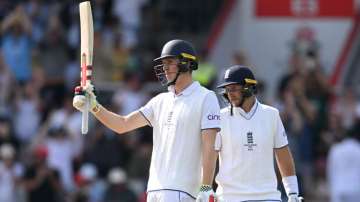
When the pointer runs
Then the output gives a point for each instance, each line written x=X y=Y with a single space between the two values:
x=206 y=194
x=80 y=98
x=294 y=198
x=219 y=198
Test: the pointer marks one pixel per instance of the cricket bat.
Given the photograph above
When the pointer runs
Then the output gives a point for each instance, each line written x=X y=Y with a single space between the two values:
x=86 y=55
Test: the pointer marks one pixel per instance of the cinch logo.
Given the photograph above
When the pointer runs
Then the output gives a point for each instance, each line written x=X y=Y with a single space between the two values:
x=213 y=117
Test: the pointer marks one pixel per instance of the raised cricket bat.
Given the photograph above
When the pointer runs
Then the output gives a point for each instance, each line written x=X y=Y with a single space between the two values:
x=87 y=40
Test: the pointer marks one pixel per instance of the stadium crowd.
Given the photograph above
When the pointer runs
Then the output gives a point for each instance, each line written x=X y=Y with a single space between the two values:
x=44 y=157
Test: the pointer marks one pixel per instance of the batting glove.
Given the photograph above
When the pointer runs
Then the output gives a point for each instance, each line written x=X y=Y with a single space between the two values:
x=206 y=194
x=294 y=198
x=218 y=198
x=81 y=93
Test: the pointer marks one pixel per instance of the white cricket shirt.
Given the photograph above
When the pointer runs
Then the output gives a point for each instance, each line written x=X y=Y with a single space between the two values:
x=343 y=169
x=246 y=160
x=177 y=121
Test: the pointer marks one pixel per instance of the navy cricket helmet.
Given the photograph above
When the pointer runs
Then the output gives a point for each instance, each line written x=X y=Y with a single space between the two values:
x=178 y=49
x=238 y=74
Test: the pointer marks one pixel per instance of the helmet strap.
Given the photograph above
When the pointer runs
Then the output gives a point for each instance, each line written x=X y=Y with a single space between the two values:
x=170 y=83
x=182 y=68
x=242 y=101
x=245 y=95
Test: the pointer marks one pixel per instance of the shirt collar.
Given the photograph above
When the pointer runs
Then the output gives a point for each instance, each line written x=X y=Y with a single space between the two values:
x=187 y=91
x=250 y=113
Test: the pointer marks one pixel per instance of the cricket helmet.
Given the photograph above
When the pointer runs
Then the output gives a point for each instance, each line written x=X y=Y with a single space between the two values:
x=241 y=75
x=179 y=49
x=238 y=74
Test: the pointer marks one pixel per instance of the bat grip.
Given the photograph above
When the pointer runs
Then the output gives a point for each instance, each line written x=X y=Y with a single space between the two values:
x=85 y=79
x=85 y=117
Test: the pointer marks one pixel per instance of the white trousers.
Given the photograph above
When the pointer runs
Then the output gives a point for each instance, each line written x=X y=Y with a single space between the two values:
x=168 y=196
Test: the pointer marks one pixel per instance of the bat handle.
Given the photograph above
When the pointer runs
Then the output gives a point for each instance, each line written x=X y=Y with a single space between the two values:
x=85 y=117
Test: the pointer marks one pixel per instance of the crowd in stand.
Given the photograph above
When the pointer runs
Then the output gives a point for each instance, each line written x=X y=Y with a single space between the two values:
x=44 y=157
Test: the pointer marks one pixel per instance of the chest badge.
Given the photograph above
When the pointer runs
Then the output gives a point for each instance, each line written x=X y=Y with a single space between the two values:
x=250 y=142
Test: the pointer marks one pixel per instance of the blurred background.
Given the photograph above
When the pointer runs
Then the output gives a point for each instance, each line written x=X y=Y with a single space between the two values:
x=305 y=54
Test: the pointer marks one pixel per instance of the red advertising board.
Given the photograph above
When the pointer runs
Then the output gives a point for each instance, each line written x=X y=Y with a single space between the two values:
x=304 y=8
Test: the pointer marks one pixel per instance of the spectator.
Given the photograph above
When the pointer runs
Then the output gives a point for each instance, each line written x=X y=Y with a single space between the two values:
x=71 y=72
x=70 y=119
x=52 y=48
x=91 y=187
x=120 y=58
x=118 y=191
x=61 y=153
x=104 y=70
x=343 y=168
x=7 y=133
x=130 y=97
x=291 y=116
x=332 y=133
x=294 y=83
x=17 y=44
x=5 y=83
x=129 y=14
x=10 y=175
x=27 y=118
x=42 y=184
x=38 y=12
x=5 y=6
x=346 y=107
x=100 y=146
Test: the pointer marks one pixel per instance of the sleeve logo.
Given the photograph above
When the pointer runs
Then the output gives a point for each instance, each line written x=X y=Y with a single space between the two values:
x=211 y=117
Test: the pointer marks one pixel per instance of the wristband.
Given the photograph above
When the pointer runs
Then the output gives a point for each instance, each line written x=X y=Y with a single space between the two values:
x=291 y=185
x=205 y=188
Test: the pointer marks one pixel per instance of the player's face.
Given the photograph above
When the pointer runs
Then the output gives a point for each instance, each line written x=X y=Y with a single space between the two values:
x=234 y=94
x=170 y=68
